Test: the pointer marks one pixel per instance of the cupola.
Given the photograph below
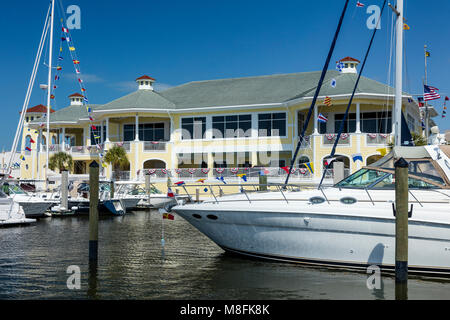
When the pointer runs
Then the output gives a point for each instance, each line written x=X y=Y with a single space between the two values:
x=349 y=65
x=76 y=99
x=145 y=83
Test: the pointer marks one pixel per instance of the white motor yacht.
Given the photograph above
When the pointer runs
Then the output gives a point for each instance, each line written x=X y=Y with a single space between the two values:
x=11 y=213
x=33 y=206
x=349 y=225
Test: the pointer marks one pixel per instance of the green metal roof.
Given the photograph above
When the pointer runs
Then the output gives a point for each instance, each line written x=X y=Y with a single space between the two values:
x=271 y=89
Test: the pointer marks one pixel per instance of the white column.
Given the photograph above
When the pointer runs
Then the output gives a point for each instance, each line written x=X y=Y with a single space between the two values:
x=316 y=130
x=102 y=138
x=40 y=140
x=137 y=128
x=358 y=118
x=107 y=130
x=63 y=144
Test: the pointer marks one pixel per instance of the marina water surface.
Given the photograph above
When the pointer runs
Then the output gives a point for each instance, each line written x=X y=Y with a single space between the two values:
x=133 y=264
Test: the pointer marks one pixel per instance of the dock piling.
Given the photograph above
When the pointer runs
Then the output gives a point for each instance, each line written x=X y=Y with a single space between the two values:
x=197 y=195
x=262 y=182
x=401 y=229
x=147 y=186
x=64 y=189
x=93 y=211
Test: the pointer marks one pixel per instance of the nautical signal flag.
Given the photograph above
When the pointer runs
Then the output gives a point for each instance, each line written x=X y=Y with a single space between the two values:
x=72 y=48
x=427 y=53
x=327 y=101
x=90 y=118
x=329 y=161
x=264 y=172
x=339 y=66
x=406 y=27
x=76 y=61
x=206 y=190
x=56 y=77
x=447 y=98
x=168 y=216
x=27 y=148
x=83 y=89
x=58 y=68
x=221 y=179
x=310 y=167
x=420 y=101
x=322 y=118
x=430 y=93
x=32 y=141
x=180 y=183
x=382 y=151
x=94 y=127
x=52 y=96
x=243 y=176
x=357 y=156
x=201 y=180
x=65 y=30
x=286 y=169
x=170 y=193
x=333 y=83
x=22 y=158
x=359 y=4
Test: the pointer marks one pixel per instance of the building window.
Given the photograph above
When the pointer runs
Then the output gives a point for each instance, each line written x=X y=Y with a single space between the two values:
x=376 y=122
x=300 y=123
x=147 y=132
x=349 y=125
x=193 y=128
x=272 y=124
x=232 y=126
x=27 y=119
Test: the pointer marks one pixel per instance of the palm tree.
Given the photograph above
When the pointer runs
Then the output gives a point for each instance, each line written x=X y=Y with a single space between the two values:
x=61 y=161
x=117 y=157
x=417 y=138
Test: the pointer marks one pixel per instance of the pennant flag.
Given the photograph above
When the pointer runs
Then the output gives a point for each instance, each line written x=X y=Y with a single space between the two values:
x=85 y=99
x=333 y=83
x=56 y=77
x=327 y=101
x=221 y=179
x=65 y=30
x=168 y=216
x=180 y=183
x=286 y=169
x=357 y=156
x=321 y=118
x=359 y=4
x=72 y=48
x=90 y=118
x=52 y=96
x=104 y=165
x=83 y=89
x=94 y=127
x=329 y=161
x=32 y=141
x=427 y=53
x=76 y=61
x=243 y=176
x=96 y=137
x=80 y=81
x=77 y=71
x=170 y=193
x=27 y=148
x=65 y=39
x=406 y=27
x=430 y=93
x=60 y=49
x=22 y=158
x=420 y=101
x=60 y=58
x=201 y=180
x=310 y=167
x=58 y=68
x=89 y=110
x=383 y=151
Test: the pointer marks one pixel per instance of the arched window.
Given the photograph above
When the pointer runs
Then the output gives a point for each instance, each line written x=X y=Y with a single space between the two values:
x=28 y=141
x=154 y=164
x=302 y=160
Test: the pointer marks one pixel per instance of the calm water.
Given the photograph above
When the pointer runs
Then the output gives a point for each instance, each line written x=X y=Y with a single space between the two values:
x=132 y=265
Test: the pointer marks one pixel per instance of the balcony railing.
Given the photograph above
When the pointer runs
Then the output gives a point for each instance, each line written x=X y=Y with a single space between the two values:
x=124 y=144
x=377 y=138
x=154 y=146
x=306 y=144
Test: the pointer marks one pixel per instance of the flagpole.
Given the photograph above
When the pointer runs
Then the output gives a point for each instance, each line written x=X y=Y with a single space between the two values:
x=49 y=89
x=398 y=73
x=426 y=103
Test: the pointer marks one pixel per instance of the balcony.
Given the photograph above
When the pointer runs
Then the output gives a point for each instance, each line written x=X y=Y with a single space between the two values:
x=329 y=139
x=152 y=146
x=378 y=138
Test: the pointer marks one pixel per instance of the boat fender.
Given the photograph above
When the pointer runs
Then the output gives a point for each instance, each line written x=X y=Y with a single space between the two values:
x=410 y=212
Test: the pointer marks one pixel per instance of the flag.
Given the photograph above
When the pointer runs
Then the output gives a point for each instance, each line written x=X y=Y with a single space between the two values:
x=32 y=141
x=446 y=98
x=427 y=53
x=329 y=161
x=80 y=81
x=60 y=58
x=340 y=66
x=76 y=61
x=65 y=30
x=89 y=109
x=27 y=148
x=406 y=27
x=58 y=68
x=52 y=96
x=90 y=118
x=264 y=172
x=286 y=169
x=85 y=99
x=382 y=151
x=180 y=183
x=221 y=179
x=243 y=176
x=310 y=167
x=72 y=48
x=170 y=193
x=83 y=89
x=56 y=77
x=168 y=216
x=359 y=4
x=22 y=158
x=321 y=118
x=201 y=180
x=77 y=71
x=357 y=156
x=65 y=39
x=333 y=83
x=327 y=101
x=430 y=93
x=104 y=165
x=206 y=189
x=420 y=101
x=94 y=127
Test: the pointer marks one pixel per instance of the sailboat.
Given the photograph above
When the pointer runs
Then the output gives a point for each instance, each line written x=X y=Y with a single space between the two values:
x=350 y=225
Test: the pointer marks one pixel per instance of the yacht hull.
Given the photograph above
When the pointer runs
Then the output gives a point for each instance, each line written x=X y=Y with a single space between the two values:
x=323 y=239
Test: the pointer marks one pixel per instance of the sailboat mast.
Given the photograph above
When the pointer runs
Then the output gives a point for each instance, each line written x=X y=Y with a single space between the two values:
x=49 y=89
x=398 y=73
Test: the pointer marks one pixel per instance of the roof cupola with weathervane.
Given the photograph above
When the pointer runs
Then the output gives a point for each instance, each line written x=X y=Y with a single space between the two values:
x=76 y=99
x=349 y=65
x=145 y=83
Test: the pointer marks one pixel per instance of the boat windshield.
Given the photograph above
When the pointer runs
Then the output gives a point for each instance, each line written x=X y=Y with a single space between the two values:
x=13 y=188
x=377 y=179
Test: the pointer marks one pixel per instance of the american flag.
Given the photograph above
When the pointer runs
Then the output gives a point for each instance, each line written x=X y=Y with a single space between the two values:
x=430 y=93
x=359 y=4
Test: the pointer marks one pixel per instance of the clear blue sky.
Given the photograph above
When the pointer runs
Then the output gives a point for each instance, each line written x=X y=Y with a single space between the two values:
x=177 y=41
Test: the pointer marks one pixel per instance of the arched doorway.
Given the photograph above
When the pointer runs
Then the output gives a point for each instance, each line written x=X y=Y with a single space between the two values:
x=338 y=158
x=28 y=142
x=373 y=159
x=154 y=164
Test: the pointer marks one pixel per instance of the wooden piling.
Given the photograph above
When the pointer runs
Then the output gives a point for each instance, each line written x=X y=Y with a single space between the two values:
x=338 y=171
x=147 y=186
x=262 y=182
x=64 y=189
x=401 y=229
x=111 y=189
x=197 y=195
x=93 y=210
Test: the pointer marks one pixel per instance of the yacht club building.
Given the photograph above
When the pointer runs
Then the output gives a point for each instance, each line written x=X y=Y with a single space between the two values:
x=213 y=127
